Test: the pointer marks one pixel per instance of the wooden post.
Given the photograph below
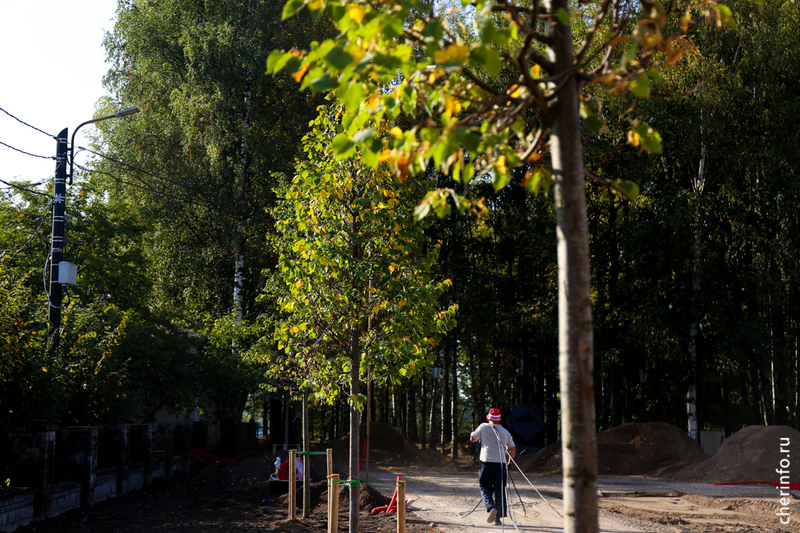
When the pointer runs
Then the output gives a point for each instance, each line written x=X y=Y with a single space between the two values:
x=329 y=453
x=401 y=506
x=292 y=486
x=306 y=462
x=333 y=503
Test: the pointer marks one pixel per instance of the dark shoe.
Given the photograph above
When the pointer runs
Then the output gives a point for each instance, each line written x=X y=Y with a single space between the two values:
x=492 y=516
x=497 y=522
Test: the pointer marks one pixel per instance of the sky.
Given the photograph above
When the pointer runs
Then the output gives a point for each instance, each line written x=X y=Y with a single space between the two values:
x=52 y=64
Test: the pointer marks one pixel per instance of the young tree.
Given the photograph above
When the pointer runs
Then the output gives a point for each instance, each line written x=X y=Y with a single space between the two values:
x=357 y=273
x=398 y=58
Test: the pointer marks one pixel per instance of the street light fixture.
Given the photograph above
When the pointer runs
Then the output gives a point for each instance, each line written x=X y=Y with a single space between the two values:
x=436 y=371
x=59 y=217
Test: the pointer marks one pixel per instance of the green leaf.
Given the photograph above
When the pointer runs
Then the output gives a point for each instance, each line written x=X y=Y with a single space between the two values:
x=273 y=58
x=422 y=210
x=500 y=179
x=285 y=60
x=339 y=58
x=641 y=87
x=364 y=135
x=488 y=58
x=353 y=96
x=725 y=15
x=563 y=16
x=650 y=139
x=342 y=146
x=628 y=188
x=323 y=83
x=291 y=7
x=370 y=158
x=593 y=124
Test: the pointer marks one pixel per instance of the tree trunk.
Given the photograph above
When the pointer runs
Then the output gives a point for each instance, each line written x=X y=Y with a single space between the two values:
x=691 y=395
x=355 y=363
x=306 y=462
x=454 y=395
x=576 y=342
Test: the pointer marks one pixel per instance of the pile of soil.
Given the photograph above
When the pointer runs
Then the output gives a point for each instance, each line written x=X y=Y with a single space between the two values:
x=388 y=448
x=752 y=454
x=630 y=449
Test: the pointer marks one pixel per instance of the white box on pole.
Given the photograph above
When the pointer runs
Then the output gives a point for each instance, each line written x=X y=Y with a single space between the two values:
x=67 y=273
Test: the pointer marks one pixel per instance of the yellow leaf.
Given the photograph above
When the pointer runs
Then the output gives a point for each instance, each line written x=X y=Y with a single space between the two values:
x=300 y=73
x=401 y=303
x=373 y=102
x=685 y=21
x=608 y=78
x=634 y=139
x=500 y=164
x=396 y=132
x=385 y=156
x=356 y=12
x=44 y=369
x=452 y=105
x=431 y=341
x=299 y=283
x=454 y=52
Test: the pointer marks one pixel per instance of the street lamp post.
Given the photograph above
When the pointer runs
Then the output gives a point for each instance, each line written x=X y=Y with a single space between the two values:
x=64 y=154
x=436 y=370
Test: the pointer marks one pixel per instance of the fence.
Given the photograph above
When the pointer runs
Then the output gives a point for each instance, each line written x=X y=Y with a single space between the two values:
x=52 y=470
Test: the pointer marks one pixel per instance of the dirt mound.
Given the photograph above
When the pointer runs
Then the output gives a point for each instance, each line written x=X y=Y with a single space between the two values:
x=389 y=449
x=368 y=497
x=629 y=449
x=752 y=454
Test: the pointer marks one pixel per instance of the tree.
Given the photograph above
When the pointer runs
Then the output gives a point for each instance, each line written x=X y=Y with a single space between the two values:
x=195 y=166
x=356 y=272
x=401 y=58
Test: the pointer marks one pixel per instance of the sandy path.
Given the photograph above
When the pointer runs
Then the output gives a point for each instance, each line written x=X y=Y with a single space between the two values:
x=628 y=505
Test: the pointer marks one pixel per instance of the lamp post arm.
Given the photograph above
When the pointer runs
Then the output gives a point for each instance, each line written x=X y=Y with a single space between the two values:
x=123 y=113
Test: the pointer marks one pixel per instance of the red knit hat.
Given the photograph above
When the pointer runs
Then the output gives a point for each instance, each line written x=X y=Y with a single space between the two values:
x=494 y=415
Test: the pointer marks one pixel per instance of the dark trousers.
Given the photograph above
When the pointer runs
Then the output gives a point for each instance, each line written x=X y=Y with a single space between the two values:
x=492 y=479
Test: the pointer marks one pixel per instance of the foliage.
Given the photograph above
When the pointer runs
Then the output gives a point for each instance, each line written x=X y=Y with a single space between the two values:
x=195 y=163
x=400 y=58
x=353 y=260
x=28 y=377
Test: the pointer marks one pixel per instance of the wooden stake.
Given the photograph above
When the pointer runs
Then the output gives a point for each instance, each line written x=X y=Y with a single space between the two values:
x=292 y=486
x=401 y=506
x=329 y=452
x=333 y=503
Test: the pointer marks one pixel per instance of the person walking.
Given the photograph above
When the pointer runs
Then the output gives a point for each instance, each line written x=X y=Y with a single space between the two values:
x=493 y=475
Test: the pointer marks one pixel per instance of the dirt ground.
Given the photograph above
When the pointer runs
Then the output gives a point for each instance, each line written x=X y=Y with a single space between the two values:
x=442 y=493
